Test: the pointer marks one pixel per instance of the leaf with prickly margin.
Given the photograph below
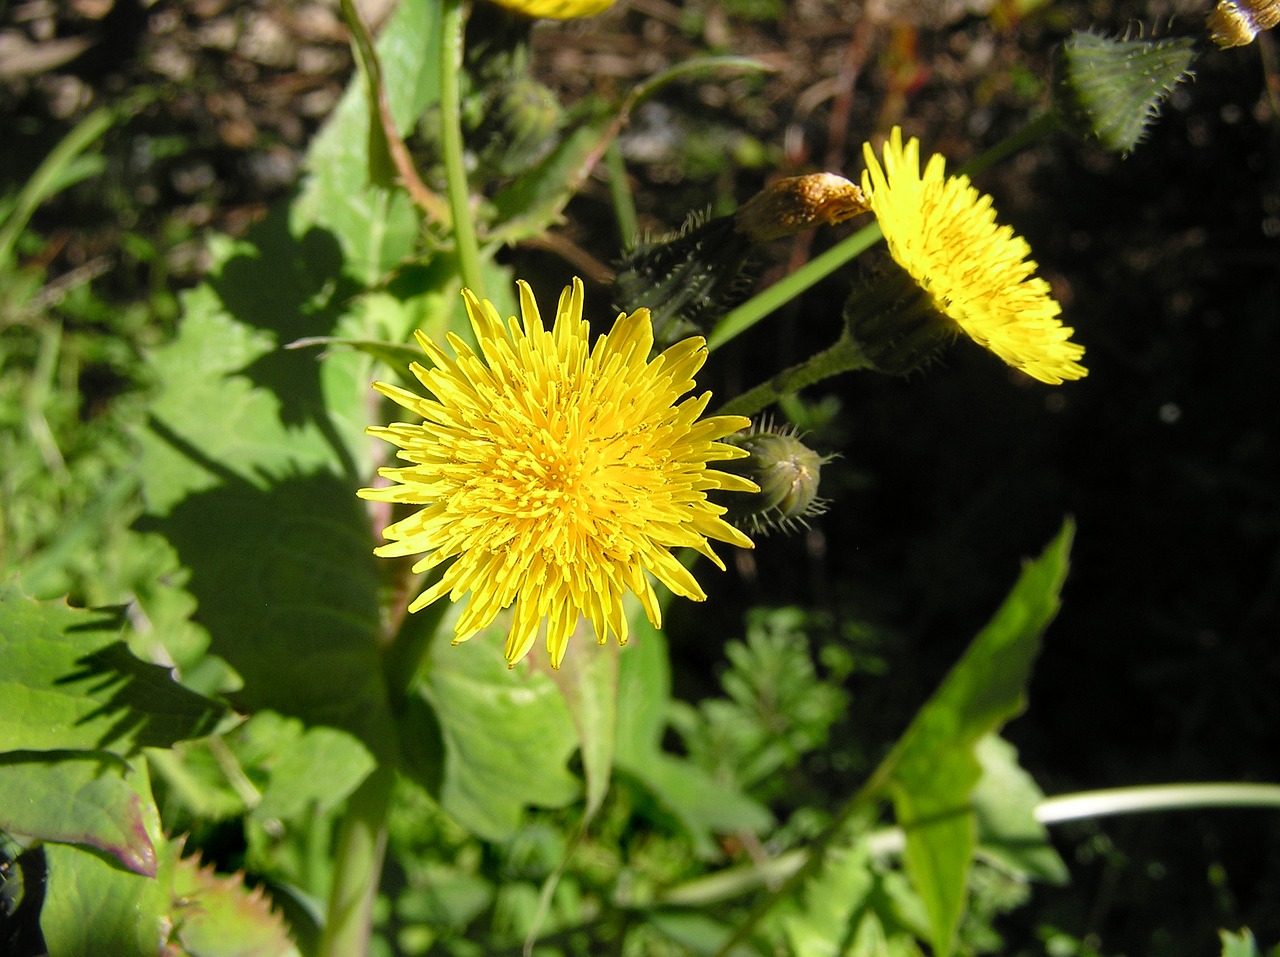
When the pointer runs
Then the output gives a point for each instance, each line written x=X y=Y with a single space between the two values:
x=215 y=915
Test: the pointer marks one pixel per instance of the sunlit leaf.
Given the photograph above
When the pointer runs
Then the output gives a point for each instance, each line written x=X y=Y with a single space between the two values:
x=88 y=798
x=507 y=736
x=92 y=908
x=217 y=916
x=935 y=764
x=67 y=681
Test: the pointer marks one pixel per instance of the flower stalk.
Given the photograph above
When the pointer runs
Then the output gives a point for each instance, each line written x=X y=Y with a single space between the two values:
x=466 y=244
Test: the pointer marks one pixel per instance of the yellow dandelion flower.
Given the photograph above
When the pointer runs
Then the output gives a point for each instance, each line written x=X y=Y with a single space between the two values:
x=557 y=9
x=943 y=232
x=555 y=475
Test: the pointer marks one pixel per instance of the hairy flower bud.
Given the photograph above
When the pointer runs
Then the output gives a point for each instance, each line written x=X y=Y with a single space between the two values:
x=787 y=472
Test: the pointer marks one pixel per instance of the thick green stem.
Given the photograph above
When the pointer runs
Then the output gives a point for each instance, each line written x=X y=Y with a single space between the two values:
x=845 y=356
x=362 y=838
x=454 y=19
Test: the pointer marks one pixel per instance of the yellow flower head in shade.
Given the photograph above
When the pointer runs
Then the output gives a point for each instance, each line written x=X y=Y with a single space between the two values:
x=943 y=232
x=557 y=9
x=556 y=475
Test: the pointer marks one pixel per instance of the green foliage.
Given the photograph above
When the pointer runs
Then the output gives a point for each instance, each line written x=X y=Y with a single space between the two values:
x=200 y=655
x=935 y=766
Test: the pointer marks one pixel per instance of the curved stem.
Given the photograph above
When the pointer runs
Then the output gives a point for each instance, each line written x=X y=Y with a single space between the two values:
x=454 y=18
x=844 y=356
x=1156 y=797
x=734 y=882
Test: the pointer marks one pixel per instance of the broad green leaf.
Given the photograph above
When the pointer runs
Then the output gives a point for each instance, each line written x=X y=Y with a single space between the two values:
x=67 y=681
x=92 y=909
x=696 y=933
x=376 y=227
x=507 y=736
x=250 y=469
x=935 y=764
x=1004 y=801
x=285 y=581
x=90 y=798
x=309 y=770
x=188 y=448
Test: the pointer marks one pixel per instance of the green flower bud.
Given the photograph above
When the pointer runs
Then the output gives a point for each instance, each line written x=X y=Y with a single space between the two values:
x=1110 y=90
x=787 y=472
x=687 y=280
x=895 y=322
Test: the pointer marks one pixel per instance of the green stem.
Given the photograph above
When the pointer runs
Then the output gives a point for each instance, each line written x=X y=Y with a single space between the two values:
x=624 y=204
x=757 y=307
x=863 y=802
x=357 y=867
x=715 y=889
x=783 y=291
x=46 y=180
x=844 y=356
x=453 y=21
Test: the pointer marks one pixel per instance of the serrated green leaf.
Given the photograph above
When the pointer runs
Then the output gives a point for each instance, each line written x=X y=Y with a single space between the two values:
x=376 y=227
x=935 y=765
x=217 y=916
x=67 y=681
x=91 y=908
x=1004 y=802
x=507 y=737
x=90 y=798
